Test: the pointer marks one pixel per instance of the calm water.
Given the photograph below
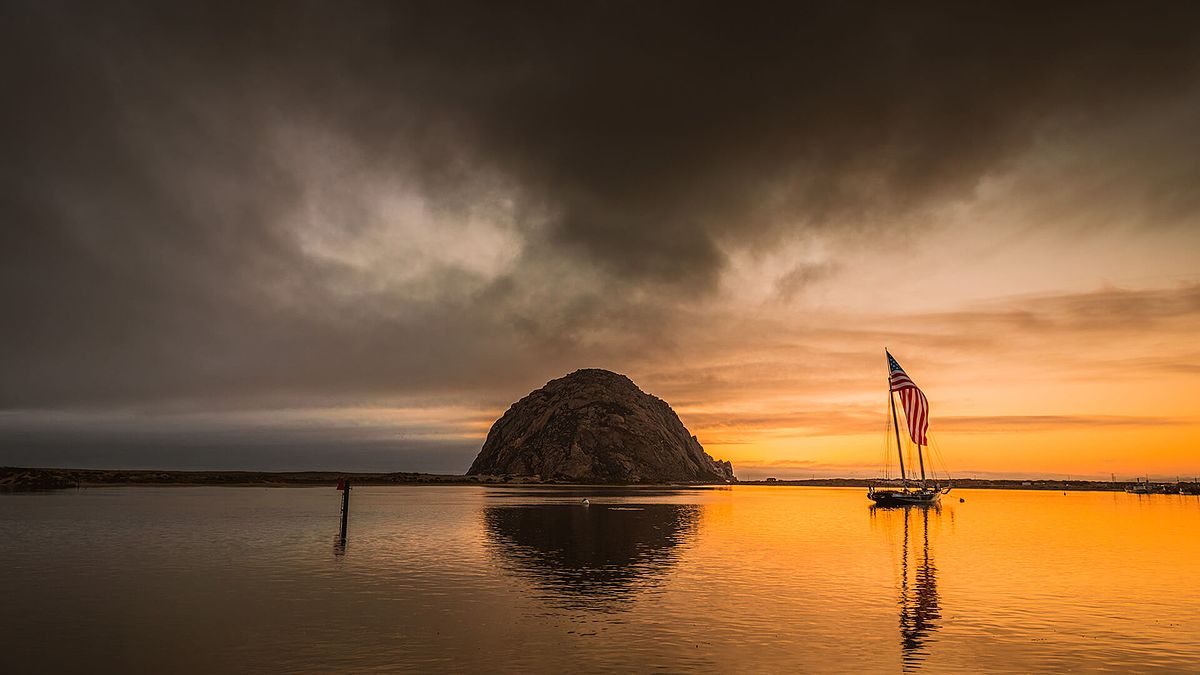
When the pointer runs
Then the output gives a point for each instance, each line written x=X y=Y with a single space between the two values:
x=748 y=579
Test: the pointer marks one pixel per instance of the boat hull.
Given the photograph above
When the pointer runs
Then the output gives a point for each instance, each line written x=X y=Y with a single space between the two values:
x=905 y=497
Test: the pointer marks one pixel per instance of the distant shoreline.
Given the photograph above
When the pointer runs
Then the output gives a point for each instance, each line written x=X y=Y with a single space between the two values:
x=22 y=478
x=25 y=479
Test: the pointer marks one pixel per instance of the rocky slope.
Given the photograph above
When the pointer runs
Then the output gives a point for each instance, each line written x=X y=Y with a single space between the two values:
x=596 y=426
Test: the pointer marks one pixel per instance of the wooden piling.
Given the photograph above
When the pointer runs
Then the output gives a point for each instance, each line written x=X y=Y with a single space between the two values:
x=344 y=486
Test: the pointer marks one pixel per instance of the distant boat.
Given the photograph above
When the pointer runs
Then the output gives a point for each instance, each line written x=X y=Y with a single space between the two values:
x=1141 y=486
x=924 y=492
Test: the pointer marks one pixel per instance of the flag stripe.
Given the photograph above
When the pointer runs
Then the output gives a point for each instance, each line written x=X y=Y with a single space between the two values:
x=916 y=406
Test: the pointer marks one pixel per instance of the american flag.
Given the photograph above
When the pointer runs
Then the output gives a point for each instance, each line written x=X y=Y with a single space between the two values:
x=916 y=407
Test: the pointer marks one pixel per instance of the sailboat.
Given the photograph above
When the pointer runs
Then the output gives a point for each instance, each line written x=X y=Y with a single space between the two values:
x=912 y=492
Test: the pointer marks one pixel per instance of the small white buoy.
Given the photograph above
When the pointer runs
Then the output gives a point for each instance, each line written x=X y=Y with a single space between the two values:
x=586 y=502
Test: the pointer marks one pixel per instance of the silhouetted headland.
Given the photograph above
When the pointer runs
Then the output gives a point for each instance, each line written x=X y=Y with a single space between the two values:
x=17 y=478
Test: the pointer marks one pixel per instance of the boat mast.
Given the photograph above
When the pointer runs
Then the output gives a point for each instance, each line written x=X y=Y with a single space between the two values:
x=921 y=459
x=896 y=427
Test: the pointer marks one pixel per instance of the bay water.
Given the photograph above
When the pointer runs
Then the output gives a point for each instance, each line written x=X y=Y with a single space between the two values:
x=533 y=579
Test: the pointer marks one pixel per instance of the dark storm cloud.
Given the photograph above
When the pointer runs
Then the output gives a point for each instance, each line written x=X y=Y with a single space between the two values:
x=155 y=154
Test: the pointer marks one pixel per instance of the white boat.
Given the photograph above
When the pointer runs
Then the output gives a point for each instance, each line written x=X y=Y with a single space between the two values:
x=914 y=492
x=1141 y=486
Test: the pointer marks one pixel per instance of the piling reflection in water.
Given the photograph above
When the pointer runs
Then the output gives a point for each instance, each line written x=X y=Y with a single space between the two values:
x=597 y=556
x=920 y=610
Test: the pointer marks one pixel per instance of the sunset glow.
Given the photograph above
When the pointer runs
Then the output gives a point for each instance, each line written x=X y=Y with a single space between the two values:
x=301 y=252
x=599 y=337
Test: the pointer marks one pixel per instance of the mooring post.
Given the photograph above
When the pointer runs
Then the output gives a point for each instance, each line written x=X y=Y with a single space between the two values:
x=344 y=486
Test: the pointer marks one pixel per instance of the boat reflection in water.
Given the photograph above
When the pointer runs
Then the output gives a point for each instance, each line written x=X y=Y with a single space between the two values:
x=596 y=556
x=920 y=610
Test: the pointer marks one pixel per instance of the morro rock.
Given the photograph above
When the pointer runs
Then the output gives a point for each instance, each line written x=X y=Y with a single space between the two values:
x=596 y=426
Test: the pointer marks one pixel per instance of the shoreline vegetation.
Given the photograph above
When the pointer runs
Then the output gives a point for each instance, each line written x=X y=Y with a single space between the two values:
x=26 y=479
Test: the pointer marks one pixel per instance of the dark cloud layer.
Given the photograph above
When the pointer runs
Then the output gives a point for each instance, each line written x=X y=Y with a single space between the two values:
x=198 y=451
x=156 y=155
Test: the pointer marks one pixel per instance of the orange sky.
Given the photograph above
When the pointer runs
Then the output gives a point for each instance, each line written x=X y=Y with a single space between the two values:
x=1087 y=377
x=1084 y=384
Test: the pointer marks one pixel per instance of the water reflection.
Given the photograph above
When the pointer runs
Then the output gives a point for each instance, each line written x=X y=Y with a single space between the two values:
x=596 y=556
x=920 y=610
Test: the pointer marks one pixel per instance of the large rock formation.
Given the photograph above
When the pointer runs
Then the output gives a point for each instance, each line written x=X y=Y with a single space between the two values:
x=596 y=426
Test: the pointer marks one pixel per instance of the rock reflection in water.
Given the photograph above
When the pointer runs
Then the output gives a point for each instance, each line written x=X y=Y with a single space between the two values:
x=920 y=610
x=590 y=556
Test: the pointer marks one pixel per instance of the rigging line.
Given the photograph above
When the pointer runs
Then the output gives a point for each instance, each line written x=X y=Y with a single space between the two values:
x=936 y=466
x=937 y=449
x=932 y=463
x=906 y=438
x=887 y=440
